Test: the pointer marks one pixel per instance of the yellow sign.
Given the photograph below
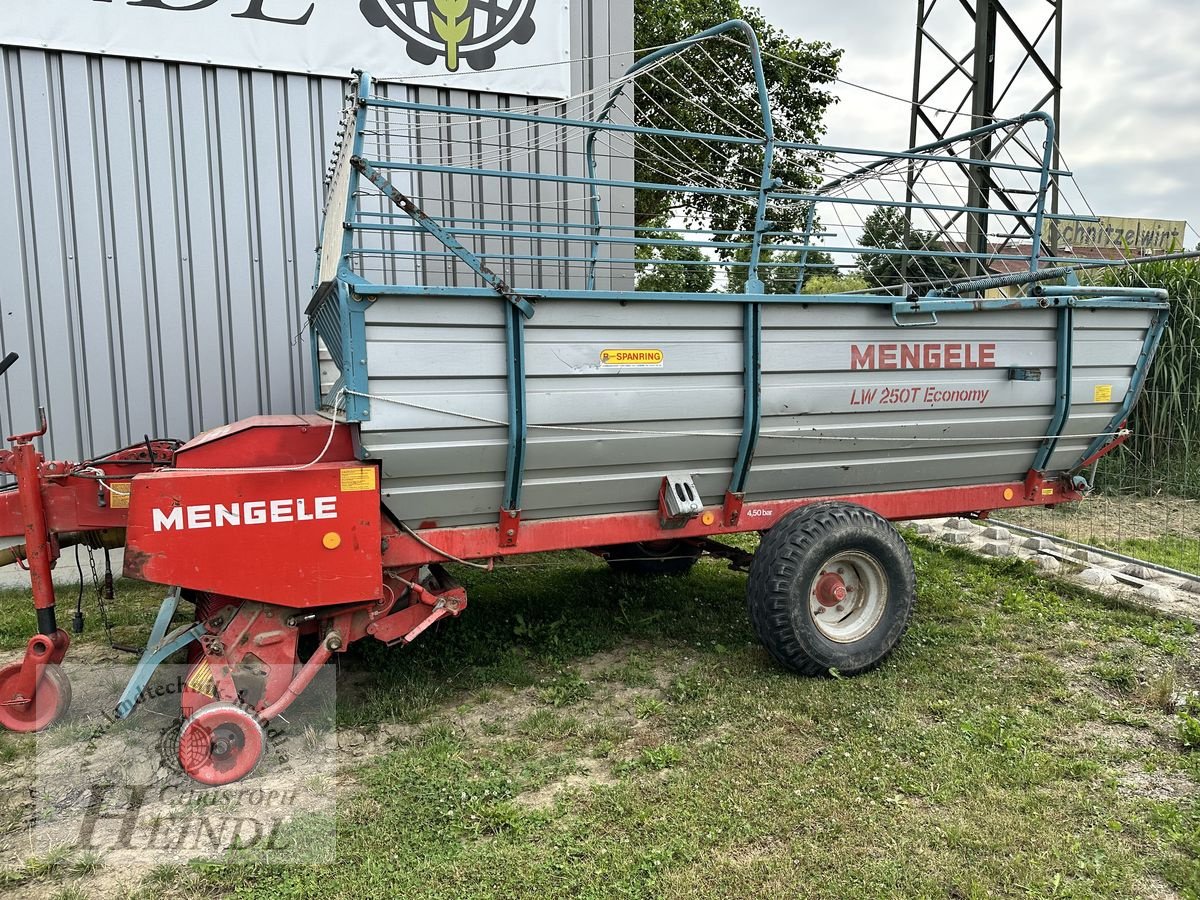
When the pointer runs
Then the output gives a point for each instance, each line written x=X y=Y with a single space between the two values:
x=201 y=680
x=360 y=478
x=1117 y=233
x=1102 y=393
x=118 y=493
x=631 y=357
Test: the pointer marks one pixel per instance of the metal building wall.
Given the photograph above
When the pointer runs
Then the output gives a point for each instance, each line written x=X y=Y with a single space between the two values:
x=157 y=233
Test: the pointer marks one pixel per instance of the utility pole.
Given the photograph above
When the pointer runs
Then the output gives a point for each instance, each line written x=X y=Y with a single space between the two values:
x=981 y=60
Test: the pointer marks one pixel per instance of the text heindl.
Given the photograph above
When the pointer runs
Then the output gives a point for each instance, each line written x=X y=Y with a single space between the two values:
x=922 y=356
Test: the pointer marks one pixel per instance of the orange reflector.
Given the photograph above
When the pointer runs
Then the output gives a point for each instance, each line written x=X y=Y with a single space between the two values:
x=708 y=518
x=332 y=540
x=1008 y=493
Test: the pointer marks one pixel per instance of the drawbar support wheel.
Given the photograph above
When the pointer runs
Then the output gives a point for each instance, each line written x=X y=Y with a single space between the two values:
x=51 y=699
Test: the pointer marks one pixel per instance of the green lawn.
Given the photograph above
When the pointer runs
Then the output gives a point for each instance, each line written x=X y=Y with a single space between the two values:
x=578 y=734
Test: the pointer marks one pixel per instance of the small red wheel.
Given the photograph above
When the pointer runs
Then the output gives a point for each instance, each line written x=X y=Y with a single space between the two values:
x=51 y=699
x=221 y=743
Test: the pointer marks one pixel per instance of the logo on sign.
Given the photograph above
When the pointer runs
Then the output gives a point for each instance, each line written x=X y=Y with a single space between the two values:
x=252 y=512
x=454 y=30
x=922 y=356
x=631 y=357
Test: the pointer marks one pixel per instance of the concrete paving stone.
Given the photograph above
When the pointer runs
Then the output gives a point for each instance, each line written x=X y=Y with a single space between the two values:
x=960 y=524
x=996 y=533
x=64 y=574
x=1156 y=593
x=995 y=548
x=1096 y=577
x=955 y=537
x=1141 y=572
x=1040 y=544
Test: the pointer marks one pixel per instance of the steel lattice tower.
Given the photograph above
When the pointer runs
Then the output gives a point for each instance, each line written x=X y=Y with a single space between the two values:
x=988 y=59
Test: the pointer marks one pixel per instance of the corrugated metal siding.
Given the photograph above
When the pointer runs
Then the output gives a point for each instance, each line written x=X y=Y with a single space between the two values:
x=159 y=252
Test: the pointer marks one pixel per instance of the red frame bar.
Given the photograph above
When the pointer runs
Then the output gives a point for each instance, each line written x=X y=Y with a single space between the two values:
x=484 y=541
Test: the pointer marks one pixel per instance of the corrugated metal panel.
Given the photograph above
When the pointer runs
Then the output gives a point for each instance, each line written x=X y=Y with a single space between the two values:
x=602 y=439
x=160 y=250
x=161 y=246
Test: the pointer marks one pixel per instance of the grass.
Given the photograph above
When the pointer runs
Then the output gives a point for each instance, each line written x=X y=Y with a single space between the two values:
x=130 y=613
x=1170 y=550
x=634 y=740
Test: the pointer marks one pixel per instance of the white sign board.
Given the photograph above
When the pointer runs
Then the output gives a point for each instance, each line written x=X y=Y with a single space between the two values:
x=503 y=46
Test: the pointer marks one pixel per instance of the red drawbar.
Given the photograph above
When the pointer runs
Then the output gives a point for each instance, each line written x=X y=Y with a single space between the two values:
x=295 y=537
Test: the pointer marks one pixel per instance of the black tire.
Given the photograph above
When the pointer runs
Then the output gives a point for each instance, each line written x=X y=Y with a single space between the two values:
x=652 y=558
x=783 y=589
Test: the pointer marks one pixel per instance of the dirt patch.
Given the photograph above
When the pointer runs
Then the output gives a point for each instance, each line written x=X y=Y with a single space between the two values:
x=1123 y=737
x=592 y=773
x=1154 y=888
x=1156 y=785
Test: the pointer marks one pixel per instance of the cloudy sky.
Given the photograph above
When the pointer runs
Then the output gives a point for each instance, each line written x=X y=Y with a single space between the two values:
x=1130 y=126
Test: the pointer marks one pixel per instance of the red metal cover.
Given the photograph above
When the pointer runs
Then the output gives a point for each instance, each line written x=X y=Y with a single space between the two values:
x=301 y=537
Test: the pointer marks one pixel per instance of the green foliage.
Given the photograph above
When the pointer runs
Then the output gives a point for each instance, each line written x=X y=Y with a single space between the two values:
x=565 y=689
x=777 y=270
x=1187 y=723
x=834 y=284
x=888 y=228
x=665 y=266
x=1166 y=421
x=723 y=79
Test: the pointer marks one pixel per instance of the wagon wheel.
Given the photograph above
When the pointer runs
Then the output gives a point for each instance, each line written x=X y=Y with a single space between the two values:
x=653 y=557
x=221 y=744
x=831 y=588
x=51 y=699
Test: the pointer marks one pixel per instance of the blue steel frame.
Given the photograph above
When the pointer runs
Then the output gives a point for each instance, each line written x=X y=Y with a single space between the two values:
x=354 y=295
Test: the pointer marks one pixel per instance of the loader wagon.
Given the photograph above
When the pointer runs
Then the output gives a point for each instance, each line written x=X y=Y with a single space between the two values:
x=493 y=383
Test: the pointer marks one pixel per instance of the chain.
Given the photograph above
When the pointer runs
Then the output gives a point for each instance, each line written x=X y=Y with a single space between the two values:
x=102 y=593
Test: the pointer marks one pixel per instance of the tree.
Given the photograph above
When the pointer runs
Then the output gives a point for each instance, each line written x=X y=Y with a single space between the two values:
x=665 y=267
x=888 y=228
x=717 y=80
x=835 y=284
x=779 y=270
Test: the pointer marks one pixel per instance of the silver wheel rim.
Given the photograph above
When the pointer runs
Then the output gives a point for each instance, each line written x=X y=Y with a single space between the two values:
x=847 y=596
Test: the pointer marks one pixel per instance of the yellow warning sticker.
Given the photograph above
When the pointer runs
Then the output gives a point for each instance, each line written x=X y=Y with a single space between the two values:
x=631 y=357
x=1047 y=492
x=201 y=680
x=360 y=478
x=1102 y=393
x=118 y=494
